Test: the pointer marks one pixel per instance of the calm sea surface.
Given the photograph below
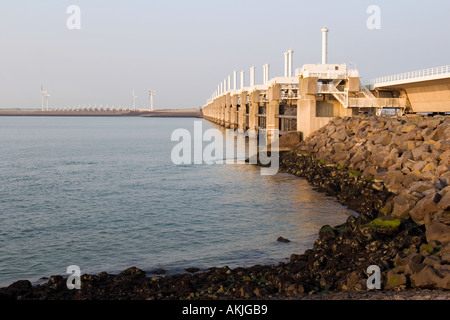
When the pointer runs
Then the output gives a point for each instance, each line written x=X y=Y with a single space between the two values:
x=103 y=194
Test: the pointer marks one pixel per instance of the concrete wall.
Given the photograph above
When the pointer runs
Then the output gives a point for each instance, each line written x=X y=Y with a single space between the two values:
x=425 y=96
x=430 y=98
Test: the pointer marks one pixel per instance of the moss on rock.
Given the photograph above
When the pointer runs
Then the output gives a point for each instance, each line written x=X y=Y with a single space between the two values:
x=384 y=223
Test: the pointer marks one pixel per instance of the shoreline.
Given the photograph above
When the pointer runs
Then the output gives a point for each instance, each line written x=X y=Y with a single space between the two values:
x=412 y=262
x=192 y=112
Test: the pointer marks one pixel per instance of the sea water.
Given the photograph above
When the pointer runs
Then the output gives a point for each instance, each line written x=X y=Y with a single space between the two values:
x=102 y=193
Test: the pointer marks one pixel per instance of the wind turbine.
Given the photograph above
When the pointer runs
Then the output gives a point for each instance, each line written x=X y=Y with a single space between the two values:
x=46 y=96
x=43 y=93
x=151 y=93
x=134 y=101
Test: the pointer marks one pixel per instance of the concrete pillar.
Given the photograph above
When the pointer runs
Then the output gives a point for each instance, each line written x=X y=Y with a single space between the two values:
x=253 y=110
x=306 y=106
x=306 y=113
x=242 y=109
x=266 y=74
x=290 y=52
x=252 y=77
x=273 y=108
x=233 y=109
x=223 y=100
x=242 y=79
x=324 y=45
x=218 y=109
x=234 y=80
x=286 y=63
x=227 y=110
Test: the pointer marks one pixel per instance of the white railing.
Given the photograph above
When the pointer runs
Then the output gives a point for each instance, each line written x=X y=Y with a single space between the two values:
x=412 y=74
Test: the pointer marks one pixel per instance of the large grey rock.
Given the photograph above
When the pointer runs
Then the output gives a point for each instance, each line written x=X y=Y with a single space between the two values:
x=437 y=133
x=411 y=178
x=424 y=207
x=394 y=180
x=419 y=165
x=444 y=157
x=438 y=231
x=444 y=203
x=421 y=186
x=289 y=140
x=384 y=139
x=429 y=123
x=426 y=278
x=395 y=280
x=402 y=206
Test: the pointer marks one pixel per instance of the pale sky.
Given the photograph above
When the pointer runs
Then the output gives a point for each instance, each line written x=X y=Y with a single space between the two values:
x=183 y=49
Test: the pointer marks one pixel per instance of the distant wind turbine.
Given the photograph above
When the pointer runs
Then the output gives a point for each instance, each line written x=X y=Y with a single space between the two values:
x=134 y=101
x=151 y=93
x=43 y=93
x=46 y=96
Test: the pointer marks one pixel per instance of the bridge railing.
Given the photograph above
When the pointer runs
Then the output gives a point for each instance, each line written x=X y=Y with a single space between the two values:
x=411 y=74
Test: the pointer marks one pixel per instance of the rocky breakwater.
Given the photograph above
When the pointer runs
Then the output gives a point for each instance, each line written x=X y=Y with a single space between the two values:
x=395 y=172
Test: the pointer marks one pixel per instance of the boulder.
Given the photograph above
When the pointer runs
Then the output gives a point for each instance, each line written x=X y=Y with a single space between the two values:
x=407 y=155
x=281 y=239
x=445 y=248
x=438 y=231
x=358 y=157
x=418 y=152
x=445 y=283
x=445 y=145
x=444 y=203
x=429 y=123
x=446 y=258
x=432 y=261
x=339 y=147
x=411 y=177
x=394 y=180
x=407 y=128
x=384 y=139
x=419 y=165
x=436 y=134
x=444 y=157
x=340 y=157
x=410 y=258
x=402 y=206
x=290 y=140
x=426 y=278
x=395 y=280
x=429 y=167
x=424 y=207
x=421 y=186
x=413 y=267
x=442 y=169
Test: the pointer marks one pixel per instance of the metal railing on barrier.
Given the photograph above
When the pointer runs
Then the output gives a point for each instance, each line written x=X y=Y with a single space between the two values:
x=411 y=75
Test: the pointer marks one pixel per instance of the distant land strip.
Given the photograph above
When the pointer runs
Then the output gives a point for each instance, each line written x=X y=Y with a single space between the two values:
x=192 y=112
